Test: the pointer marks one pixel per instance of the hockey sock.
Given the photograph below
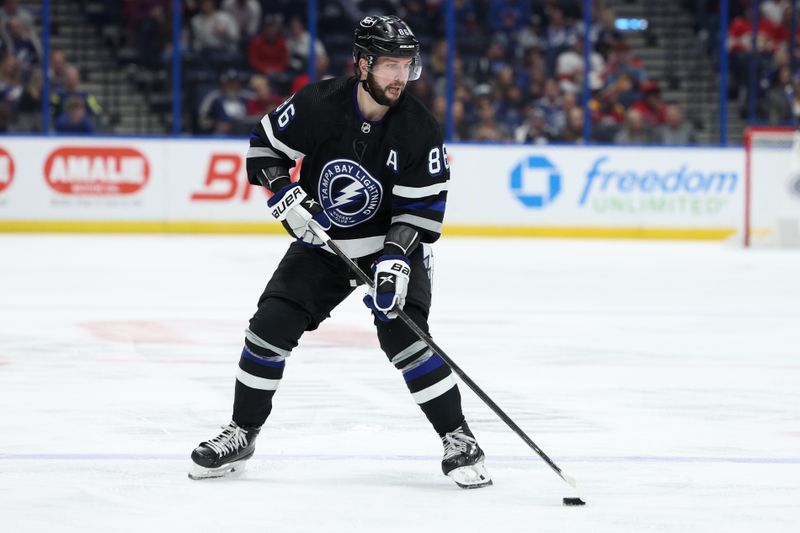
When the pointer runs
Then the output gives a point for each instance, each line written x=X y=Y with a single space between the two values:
x=260 y=372
x=434 y=388
x=427 y=376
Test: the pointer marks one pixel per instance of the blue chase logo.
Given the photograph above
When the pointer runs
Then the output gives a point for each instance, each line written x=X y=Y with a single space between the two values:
x=535 y=181
x=348 y=193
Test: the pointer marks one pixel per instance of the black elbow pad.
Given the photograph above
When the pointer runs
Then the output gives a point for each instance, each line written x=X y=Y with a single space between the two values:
x=273 y=178
x=400 y=239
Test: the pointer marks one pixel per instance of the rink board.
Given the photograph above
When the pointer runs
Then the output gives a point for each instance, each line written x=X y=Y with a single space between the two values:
x=200 y=185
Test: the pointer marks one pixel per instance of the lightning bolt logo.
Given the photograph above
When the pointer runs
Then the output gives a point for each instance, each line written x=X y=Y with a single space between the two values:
x=347 y=194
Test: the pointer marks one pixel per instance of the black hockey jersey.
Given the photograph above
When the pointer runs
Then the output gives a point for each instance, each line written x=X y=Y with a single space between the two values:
x=366 y=175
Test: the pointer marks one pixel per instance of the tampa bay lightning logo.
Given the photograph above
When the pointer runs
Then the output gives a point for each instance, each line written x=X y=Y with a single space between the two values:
x=349 y=194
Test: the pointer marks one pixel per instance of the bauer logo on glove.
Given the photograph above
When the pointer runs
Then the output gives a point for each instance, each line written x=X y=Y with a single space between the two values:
x=285 y=202
x=294 y=208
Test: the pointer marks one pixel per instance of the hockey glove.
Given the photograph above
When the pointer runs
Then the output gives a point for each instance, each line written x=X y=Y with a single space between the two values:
x=295 y=209
x=391 y=284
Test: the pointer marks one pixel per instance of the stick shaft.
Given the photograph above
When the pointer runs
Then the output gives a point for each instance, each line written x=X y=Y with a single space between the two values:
x=424 y=337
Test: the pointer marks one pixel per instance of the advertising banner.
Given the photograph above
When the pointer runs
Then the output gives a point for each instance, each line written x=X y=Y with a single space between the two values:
x=137 y=184
x=600 y=187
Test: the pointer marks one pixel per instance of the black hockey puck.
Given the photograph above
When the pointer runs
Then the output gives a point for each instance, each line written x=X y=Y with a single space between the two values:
x=573 y=501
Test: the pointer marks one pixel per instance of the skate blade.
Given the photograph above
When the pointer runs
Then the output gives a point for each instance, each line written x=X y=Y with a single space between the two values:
x=229 y=470
x=471 y=477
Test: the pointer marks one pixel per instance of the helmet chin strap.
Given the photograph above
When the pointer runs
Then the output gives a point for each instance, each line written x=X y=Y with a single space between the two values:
x=367 y=88
x=370 y=59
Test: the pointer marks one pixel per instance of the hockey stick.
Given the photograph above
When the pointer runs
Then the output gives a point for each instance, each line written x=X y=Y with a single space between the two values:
x=424 y=337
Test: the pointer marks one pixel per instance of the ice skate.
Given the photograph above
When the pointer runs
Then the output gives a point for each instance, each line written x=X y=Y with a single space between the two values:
x=225 y=454
x=463 y=459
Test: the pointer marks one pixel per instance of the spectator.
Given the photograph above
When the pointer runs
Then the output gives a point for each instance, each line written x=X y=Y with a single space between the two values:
x=72 y=87
x=769 y=37
x=467 y=25
x=484 y=67
x=57 y=70
x=322 y=73
x=436 y=63
x=74 y=119
x=422 y=89
x=422 y=15
x=10 y=84
x=533 y=79
x=558 y=36
x=246 y=13
x=459 y=79
x=439 y=109
x=29 y=106
x=634 y=129
x=780 y=98
x=519 y=10
x=11 y=9
x=509 y=110
x=608 y=35
x=487 y=127
x=607 y=115
x=5 y=116
x=651 y=106
x=224 y=110
x=503 y=80
x=626 y=90
x=623 y=63
x=298 y=44
x=149 y=30
x=569 y=69
x=552 y=104
x=675 y=130
x=263 y=100
x=773 y=10
x=22 y=43
x=214 y=30
x=534 y=130
x=267 y=52
x=573 y=131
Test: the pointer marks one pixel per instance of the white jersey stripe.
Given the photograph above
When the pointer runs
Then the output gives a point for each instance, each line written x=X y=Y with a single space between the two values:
x=255 y=382
x=262 y=151
x=274 y=141
x=435 y=390
x=420 y=222
x=258 y=341
x=359 y=247
x=419 y=192
x=419 y=362
x=408 y=352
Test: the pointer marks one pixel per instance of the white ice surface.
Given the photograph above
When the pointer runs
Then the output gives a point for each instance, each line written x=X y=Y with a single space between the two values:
x=664 y=377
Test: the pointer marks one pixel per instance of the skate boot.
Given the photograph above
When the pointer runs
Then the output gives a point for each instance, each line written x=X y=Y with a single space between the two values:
x=224 y=454
x=463 y=459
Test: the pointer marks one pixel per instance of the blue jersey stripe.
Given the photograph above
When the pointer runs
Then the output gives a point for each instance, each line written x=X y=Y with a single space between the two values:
x=247 y=354
x=419 y=206
x=428 y=366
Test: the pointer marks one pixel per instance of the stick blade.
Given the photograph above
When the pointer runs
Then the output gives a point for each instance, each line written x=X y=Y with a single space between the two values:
x=569 y=479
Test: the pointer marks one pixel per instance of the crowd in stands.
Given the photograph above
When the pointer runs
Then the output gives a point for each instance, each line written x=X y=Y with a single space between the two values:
x=518 y=65
x=773 y=95
x=74 y=110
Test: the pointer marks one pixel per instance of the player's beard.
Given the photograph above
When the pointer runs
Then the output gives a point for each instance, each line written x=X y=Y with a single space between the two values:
x=379 y=94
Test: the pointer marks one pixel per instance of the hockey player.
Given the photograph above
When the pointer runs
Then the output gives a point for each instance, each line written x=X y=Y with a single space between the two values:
x=375 y=177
